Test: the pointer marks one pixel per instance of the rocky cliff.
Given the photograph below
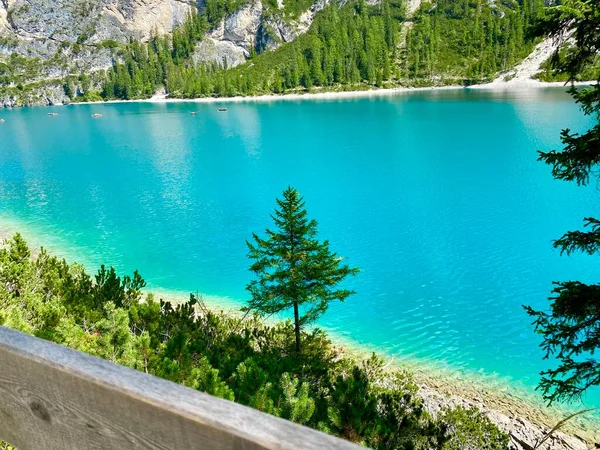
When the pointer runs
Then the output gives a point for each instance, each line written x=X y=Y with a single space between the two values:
x=254 y=26
x=57 y=38
x=90 y=21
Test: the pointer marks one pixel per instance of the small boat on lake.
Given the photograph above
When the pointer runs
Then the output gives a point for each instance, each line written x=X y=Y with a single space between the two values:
x=96 y=115
x=2 y=120
x=52 y=114
x=193 y=113
x=222 y=109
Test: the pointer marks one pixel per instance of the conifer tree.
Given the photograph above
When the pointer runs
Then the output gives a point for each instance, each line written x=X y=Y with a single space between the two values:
x=571 y=329
x=293 y=269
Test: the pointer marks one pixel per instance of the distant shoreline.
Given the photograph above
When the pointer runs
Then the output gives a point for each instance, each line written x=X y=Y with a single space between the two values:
x=338 y=95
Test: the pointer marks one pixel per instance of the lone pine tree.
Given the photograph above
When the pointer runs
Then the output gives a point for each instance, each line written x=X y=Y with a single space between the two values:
x=293 y=269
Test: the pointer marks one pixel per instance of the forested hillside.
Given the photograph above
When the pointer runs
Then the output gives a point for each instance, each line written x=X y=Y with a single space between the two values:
x=355 y=46
x=469 y=41
x=552 y=69
x=235 y=358
x=350 y=45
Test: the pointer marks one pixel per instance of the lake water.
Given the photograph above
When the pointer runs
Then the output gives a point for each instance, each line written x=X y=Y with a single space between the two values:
x=436 y=196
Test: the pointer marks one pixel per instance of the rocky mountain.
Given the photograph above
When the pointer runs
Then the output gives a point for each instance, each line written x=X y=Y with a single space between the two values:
x=90 y=21
x=252 y=27
x=55 y=51
x=57 y=38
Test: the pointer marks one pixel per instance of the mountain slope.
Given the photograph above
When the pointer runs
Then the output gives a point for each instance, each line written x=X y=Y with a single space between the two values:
x=52 y=51
x=56 y=51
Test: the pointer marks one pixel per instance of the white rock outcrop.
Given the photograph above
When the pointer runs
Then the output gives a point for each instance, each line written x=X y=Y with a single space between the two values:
x=90 y=21
x=224 y=53
x=252 y=26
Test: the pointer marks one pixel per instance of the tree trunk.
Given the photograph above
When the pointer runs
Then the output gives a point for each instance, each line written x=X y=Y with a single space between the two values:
x=297 y=323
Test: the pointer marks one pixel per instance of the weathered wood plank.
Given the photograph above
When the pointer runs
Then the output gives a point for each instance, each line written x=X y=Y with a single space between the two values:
x=52 y=397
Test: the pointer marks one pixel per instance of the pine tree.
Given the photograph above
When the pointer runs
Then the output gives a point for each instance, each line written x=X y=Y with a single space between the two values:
x=571 y=329
x=293 y=269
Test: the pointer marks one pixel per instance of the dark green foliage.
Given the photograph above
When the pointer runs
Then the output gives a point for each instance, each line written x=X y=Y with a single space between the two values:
x=470 y=430
x=553 y=68
x=468 y=40
x=571 y=329
x=141 y=69
x=108 y=287
x=240 y=359
x=582 y=17
x=581 y=153
x=216 y=10
x=355 y=46
x=349 y=46
x=356 y=413
x=579 y=60
x=293 y=269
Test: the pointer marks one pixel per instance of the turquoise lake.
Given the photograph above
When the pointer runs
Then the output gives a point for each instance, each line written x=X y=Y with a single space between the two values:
x=436 y=195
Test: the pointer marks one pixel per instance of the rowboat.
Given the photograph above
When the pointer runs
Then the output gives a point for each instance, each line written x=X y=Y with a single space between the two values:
x=96 y=115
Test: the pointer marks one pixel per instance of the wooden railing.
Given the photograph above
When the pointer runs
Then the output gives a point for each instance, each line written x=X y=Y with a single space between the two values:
x=52 y=397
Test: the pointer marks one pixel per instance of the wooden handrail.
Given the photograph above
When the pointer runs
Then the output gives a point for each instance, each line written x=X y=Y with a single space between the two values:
x=53 y=397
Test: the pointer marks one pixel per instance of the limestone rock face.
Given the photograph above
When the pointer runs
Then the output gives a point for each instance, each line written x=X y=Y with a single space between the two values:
x=90 y=21
x=144 y=16
x=252 y=27
x=274 y=31
x=241 y=27
x=73 y=36
x=50 y=95
x=224 y=53
x=65 y=36
x=4 y=23
x=38 y=28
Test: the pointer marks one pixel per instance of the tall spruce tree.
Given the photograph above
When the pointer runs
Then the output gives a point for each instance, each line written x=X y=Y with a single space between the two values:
x=571 y=329
x=293 y=269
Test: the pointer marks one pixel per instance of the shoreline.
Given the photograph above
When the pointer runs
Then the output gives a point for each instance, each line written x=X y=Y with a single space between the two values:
x=511 y=406
x=483 y=390
x=340 y=95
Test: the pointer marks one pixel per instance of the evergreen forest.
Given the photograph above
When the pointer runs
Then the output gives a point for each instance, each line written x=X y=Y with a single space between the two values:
x=350 y=47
